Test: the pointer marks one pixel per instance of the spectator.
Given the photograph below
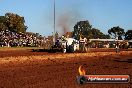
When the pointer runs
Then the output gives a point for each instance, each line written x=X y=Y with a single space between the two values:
x=10 y=39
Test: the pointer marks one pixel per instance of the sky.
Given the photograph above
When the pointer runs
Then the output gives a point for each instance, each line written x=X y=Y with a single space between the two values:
x=39 y=14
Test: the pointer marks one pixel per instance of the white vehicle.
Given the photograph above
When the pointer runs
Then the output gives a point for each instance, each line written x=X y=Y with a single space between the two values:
x=66 y=45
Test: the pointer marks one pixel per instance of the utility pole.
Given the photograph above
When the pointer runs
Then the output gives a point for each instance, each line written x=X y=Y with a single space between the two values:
x=54 y=25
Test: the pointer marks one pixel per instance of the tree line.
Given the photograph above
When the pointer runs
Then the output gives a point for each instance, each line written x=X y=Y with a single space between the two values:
x=84 y=29
x=16 y=23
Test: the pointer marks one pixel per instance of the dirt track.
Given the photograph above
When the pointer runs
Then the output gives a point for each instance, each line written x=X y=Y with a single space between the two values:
x=26 y=69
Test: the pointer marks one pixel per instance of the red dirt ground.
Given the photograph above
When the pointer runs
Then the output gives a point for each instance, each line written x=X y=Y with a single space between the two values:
x=57 y=70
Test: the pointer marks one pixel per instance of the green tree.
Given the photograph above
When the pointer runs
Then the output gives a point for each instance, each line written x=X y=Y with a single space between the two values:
x=128 y=35
x=117 y=32
x=15 y=23
x=2 y=19
x=96 y=33
x=3 y=26
x=2 y=23
x=82 y=28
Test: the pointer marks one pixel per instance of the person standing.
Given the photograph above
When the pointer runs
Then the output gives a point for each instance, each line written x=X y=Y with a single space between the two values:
x=117 y=47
